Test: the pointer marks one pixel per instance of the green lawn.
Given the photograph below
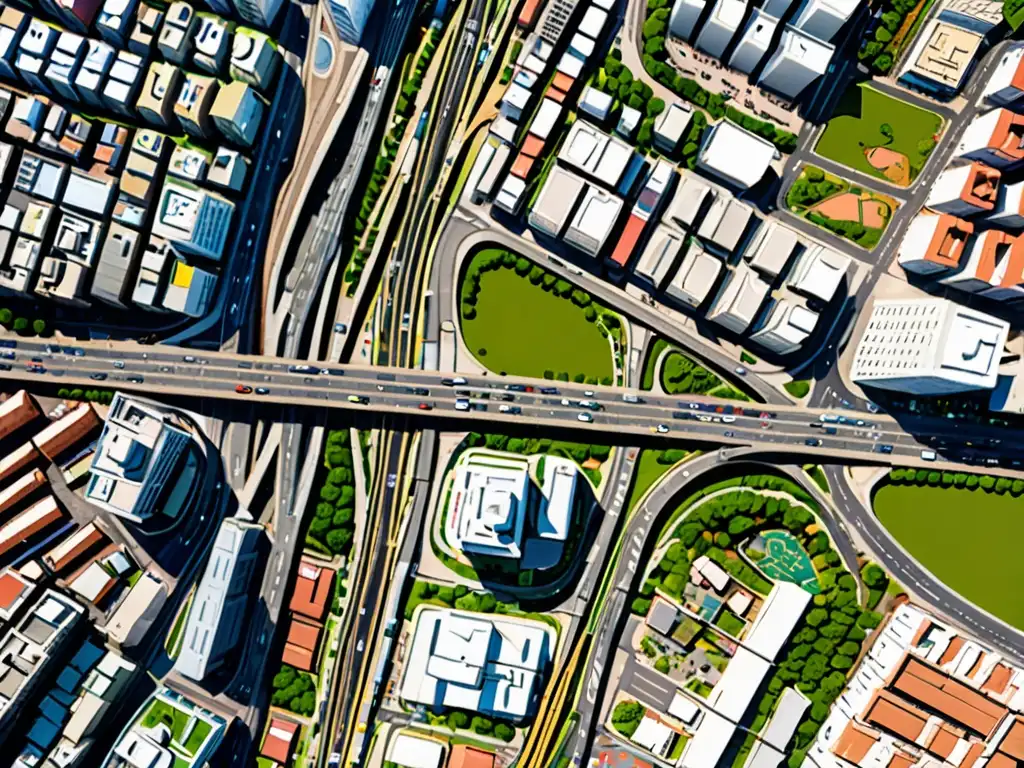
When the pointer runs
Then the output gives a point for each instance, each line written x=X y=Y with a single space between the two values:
x=967 y=538
x=857 y=123
x=648 y=471
x=525 y=330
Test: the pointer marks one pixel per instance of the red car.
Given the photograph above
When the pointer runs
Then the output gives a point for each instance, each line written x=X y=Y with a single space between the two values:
x=425 y=406
x=243 y=389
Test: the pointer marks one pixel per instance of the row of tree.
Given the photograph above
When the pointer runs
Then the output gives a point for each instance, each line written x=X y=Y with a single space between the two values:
x=333 y=526
x=988 y=483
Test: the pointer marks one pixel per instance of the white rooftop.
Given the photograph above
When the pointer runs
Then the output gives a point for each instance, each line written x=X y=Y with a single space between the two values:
x=735 y=155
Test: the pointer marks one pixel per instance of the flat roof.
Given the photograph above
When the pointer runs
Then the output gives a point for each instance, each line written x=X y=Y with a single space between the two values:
x=416 y=752
x=555 y=202
x=779 y=615
x=734 y=692
x=735 y=155
x=944 y=53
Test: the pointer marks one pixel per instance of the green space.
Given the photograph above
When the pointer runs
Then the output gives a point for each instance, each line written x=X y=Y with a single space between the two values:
x=867 y=119
x=681 y=374
x=828 y=639
x=817 y=474
x=23 y=326
x=896 y=27
x=650 y=466
x=729 y=622
x=177 y=720
x=172 y=646
x=626 y=717
x=857 y=214
x=964 y=532
x=798 y=388
x=785 y=560
x=519 y=319
x=877 y=581
x=103 y=396
x=294 y=690
x=330 y=532
x=464 y=599
x=460 y=720
x=1013 y=12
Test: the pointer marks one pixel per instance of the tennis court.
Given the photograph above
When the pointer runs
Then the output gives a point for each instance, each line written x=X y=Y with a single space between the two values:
x=785 y=559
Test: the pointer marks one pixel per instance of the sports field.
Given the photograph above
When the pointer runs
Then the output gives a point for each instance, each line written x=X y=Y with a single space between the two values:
x=967 y=538
x=879 y=135
x=785 y=560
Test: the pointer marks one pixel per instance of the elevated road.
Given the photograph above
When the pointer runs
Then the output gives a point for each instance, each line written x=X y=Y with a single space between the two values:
x=510 y=401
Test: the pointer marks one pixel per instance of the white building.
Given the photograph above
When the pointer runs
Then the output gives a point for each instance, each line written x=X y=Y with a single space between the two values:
x=476 y=662
x=189 y=289
x=685 y=14
x=723 y=229
x=659 y=256
x=215 y=618
x=965 y=190
x=784 y=326
x=596 y=103
x=978 y=267
x=671 y=125
x=734 y=155
x=488 y=505
x=755 y=42
x=1005 y=85
x=739 y=299
x=350 y=18
x=556 y=201
x=778 y=617
x=195 y=220
x=144 y=462
x=771 y=249
x=823 y=18
x=262 y=12
x=721 y=25
x=819 y=273
x=995 y=138
x=596 y=154
x=934 y=244
x=690 y=201
x=929 y=346
x=1008 y=212
x=558 y=496
x=695 y=279
x=798 y=61
x=595 y=218
x=254 y=59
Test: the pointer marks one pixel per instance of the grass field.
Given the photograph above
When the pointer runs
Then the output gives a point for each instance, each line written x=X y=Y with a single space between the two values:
x=648 y=471
x=526 y=330
x=968 y=539
x=857 y=126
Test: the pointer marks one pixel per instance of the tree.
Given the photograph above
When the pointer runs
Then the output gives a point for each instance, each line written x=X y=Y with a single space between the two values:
x=39 y=327
x=458 y=719
x=504 y=732
x=816 y=617
x=481 y=725
x=20 y=325
x=6 y=316
x=662 y=664
x=338 y=540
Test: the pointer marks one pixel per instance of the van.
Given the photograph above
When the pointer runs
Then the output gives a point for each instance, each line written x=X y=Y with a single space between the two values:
x=929 y=455
x=828 y=418
x=462 y=404
x=628 y=398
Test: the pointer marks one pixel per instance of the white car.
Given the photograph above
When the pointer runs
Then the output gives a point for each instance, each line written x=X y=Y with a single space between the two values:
x=565 y=401
x=662 y=429
x=584 y=417
x=728 y=419
x=462 y=404
x=694 y=406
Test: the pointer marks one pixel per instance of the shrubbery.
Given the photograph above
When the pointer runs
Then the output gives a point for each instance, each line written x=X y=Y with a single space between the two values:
x=988 y=483
x=681 y=375
x=23 y=326
x=103 y=396
x=294 y=690
x=626 y=717
x=810 y=188
x=332 y=527
x=877 y=51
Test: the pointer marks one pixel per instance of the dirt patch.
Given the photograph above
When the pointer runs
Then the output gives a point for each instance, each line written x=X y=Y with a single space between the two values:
x=894 y=165
x=842 y=207
x=874 y=213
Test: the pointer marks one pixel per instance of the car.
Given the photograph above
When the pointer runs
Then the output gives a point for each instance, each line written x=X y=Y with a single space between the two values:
x=245 y=364
x=588 y=393
x=303 y=369
x=929 y=455
x=165 y=369
x=566 y=402
x=680 y=415
x=592 y=405
x=585 y=417
x=831 y=431
x=462 y=404
x=425 y=406
x=358 y=399
x=515 y=410
x=35 y=368
x=421 y=391
x=335 y=372
x=458 y=380
x=740 y=370
x=392 y=479
x=729 y=433
x=694 y=406
x=549 y=390
x=728 y=419
x=243 y=389
x=813 y=442
x=508 y=397
x=8 y=344
x=52 y=349
x=340 y=328
x=462 y=393
x=515 y=387
x=883 y=448
x=98 y=376
x=662 y=429
x=5 y=366
x=188 y=359
x=119 y=364
x=360 y=646
x=262 y=391
x=7 y=354
x=135 y=379
x=630 y=398
x=75 y=351
x=334 y=760
x=828 y=418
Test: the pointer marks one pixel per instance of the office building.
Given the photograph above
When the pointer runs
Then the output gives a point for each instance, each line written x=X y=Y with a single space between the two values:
x=16 y=411
x=929 y=346
x=30 y=650
x=771 y=249
x=177 y=31
x=558 y=496
x=123 y=83
x=556 y=202
x=554 y=19
x=943 y=56
x=725 y=226
x=74 y=14
x=734 y=155
x=190 y=289
x=934 y=244
x=237 y=112
x=784 y=326
x=1005 y=86
x=978 y=266
x=629 y=121
x=34 y=51
x=671 y=125
x=215 y=619
x=350 y=18
x=755 y=42
x=254 y=59
x=13 y=24
x=156 y=737
x=824 y=18
x=648 y=205
x=138 y=610
x=64 y=64
x=313 y=590
x=696 y=277
x=194 y=220
x=159 y=93
x=488 y=505
x=595 y=218
x=596 y=154
x=476 y=662
x=211 y=44
x=194 y=102
x=114 y=21
x=819 y=273
x=145 y=462
x=798 y=61
x=739 y=299
x=719 y=28
x=684 y=18
x=660 y=256
x=98 y=59
x=690 y=201
x=143 y=35
x=595 y=103
x=115 y=270
x=965 y=190
x=995 y=138
x=228 y=170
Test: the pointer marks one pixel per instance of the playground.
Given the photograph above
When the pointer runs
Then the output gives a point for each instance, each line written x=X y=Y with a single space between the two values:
x=784 y=559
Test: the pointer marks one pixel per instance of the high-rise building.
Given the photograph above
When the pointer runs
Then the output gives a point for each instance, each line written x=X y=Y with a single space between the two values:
x=755 y=42
x=684 y=18
x=799 y=60
x=216 y=617
x=721 y=25
x=823 y=18
x=350 y=18
x=259 y=12
x=237 y=112
x=929 y=346
x=1006 y=84
x=194 y=220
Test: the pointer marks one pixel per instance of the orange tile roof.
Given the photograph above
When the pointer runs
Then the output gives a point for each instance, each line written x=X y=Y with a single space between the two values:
x=627 y=240
x=958 y=642
x=465 y=756
x=1007 y=140
x=973 y=753
x=999 y=760
x=11 y=588
x=925 y=625
x=943 y=741
x=1013 y=742
x=948 y=241
x=854 y=742
x=533 y=145
x=528 y=15
x=554 y=94
x=297 y=657
x=279 y=740
x=17 y=411
x=1014 y=272
x=522 y=166
x=303 y=633
x=901 y=760
x=938 y=692
x=312 y=590
x=981 y=187
x=562 y=82
x=895 y=715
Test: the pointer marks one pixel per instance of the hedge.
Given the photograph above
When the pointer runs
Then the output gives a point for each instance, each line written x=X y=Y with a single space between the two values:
x=988 y=483
x=333 y=526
